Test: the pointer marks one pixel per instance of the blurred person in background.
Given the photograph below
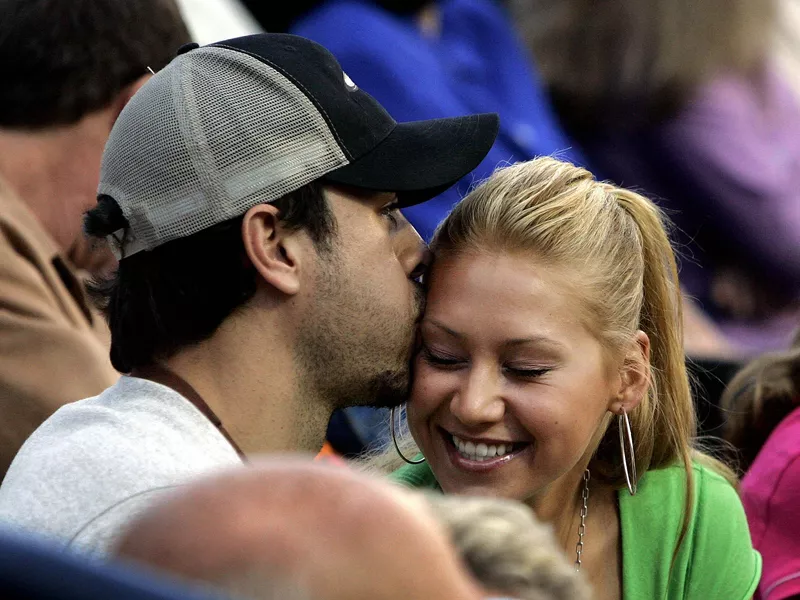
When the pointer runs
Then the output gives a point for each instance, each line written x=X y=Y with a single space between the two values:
x=551 y=371
x=252 y=194
x=213 y=20
x=681 y=99
x=787 y=43
x=763 y=402
x=68 y=70
x=312 y=532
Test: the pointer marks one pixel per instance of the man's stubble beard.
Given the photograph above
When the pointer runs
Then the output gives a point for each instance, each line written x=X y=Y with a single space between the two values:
x=350 y=352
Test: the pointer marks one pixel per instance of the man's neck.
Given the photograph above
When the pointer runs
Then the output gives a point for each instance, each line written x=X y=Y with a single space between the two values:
x=26 y=164
x=252 y=386
x=52 y=172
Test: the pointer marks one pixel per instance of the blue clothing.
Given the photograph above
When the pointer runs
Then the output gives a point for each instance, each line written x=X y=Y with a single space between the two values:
x=475 y=65
x=33 y=570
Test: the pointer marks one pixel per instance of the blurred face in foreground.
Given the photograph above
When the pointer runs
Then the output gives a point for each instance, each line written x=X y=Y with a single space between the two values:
x=319 y=532
x=510 y=388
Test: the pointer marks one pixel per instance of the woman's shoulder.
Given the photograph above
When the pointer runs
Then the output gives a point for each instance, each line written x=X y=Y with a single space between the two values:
x=415 y=476
x=716 y=556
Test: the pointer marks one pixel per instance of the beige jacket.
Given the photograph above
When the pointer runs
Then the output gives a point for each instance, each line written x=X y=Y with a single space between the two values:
x=51 y=345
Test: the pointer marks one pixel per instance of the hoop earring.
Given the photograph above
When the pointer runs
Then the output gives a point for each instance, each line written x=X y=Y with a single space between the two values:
x=396 y=445
x=624 y=425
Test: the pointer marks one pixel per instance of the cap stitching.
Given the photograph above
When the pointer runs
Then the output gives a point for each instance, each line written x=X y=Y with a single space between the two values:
x=308 y=94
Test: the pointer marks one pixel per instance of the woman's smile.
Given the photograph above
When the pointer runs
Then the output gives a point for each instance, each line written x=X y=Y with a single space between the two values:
x=480 y=455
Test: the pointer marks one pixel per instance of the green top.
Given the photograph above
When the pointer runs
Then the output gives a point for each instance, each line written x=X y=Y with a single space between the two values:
x=716 y=559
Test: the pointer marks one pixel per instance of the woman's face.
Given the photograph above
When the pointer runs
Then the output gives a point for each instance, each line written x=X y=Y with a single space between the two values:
x=509 y=388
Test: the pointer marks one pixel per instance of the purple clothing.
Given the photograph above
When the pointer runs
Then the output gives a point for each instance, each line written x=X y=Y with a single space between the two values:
x=727 y=169
x=771 y=495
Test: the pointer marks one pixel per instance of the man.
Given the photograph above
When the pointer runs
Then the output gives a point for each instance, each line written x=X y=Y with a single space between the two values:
x=251 y=191
x=68 y=69
x=292 y=530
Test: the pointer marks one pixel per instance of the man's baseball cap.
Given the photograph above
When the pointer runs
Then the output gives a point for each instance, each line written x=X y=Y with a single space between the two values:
x=246 y=121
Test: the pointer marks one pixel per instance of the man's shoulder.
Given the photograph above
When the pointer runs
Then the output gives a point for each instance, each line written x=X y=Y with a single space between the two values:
x=95 y=457
x=128 y=422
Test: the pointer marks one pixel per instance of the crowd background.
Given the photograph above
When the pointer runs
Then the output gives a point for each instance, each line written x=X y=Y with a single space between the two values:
x=694 y=103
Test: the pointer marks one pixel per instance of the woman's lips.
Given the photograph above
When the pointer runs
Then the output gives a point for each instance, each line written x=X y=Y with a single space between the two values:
x=461 y=461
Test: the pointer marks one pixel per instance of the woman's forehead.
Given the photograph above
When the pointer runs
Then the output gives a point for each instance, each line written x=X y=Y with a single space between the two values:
x=508 y=295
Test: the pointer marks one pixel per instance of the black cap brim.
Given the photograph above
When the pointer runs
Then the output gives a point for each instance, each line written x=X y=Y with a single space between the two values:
x=421 y=159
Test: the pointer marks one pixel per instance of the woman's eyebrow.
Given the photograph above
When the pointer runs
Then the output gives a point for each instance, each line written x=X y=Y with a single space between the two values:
x=445 y=328
x=536 y=340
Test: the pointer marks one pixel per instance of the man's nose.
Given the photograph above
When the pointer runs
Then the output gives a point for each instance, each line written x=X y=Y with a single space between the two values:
x=413 y=253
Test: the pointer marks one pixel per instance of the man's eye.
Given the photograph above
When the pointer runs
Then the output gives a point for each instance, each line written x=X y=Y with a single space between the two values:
x=391 y=212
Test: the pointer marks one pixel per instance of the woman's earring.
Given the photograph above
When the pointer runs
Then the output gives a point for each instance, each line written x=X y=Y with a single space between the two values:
x=396 y=445
x=624 y=426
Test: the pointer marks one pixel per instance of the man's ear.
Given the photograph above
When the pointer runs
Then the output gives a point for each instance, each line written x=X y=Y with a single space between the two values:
x=634 y=375
x=273 y=250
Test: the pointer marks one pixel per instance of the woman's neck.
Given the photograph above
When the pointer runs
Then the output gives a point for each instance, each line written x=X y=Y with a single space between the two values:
x=559 y=505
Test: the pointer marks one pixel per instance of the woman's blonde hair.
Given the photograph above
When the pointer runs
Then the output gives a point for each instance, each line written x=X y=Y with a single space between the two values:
x=606 y=59
x=615 y=242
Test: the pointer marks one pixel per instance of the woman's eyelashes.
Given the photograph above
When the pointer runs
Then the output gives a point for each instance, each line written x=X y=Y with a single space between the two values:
x=440 y=359
x=528 y=372
x=445 y=360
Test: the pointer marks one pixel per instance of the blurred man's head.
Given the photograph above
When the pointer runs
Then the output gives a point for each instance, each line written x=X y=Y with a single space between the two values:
x=68 y=69
x=304 y=528
x=252 y=191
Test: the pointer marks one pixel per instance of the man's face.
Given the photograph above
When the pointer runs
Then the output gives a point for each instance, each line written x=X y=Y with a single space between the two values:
x=356 y=342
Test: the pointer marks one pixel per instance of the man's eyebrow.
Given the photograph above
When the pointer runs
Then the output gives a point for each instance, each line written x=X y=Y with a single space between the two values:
x=393 y=199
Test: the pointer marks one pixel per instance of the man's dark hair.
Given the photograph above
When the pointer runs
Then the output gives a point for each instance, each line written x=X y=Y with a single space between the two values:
x=63 y=59
x=162 y=300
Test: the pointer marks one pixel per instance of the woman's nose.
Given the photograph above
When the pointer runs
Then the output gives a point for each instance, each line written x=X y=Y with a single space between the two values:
x=478 y=399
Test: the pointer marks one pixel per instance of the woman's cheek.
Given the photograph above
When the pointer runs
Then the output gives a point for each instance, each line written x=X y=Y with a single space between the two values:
x=428 y=385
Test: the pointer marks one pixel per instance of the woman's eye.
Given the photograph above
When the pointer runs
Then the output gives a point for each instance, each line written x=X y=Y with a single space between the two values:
x=439 y=359
x=527 y=373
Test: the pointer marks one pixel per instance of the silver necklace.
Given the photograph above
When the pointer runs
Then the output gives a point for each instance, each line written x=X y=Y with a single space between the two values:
x=582 y=526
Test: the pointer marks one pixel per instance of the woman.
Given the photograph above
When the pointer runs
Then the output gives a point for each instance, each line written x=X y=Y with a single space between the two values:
x=551 y=371
x=763 y=402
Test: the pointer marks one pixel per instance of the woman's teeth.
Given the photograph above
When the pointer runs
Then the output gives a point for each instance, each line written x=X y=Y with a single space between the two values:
x=481 y=452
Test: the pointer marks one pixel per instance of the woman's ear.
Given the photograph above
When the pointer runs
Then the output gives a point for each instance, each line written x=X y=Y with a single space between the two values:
x=634 y=375
x=273 y=250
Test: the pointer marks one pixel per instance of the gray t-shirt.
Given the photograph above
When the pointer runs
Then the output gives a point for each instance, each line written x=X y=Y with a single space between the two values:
x=97 y=463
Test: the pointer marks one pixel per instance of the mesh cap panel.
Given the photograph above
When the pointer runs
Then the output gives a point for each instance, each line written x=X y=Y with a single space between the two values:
x=211 y=135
